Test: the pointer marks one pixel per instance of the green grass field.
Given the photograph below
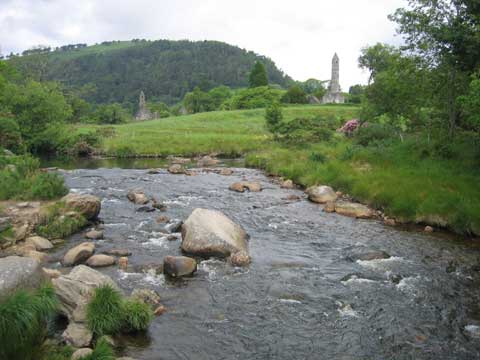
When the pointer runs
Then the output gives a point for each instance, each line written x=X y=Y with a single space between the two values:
x=231 y=133
x=394 y=178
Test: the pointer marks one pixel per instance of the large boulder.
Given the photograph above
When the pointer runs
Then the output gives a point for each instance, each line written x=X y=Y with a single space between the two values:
x=355 y=210
x=321 y=194
x=177 y=266
x=19 y=273
x=75 y=289
x=79 y=254
x=211 y=233
x=87 y=205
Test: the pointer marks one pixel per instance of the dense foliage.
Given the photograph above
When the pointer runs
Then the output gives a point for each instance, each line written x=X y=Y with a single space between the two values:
x=164 y=70
x=23 y=319
x=21 y=179
x=258 y=76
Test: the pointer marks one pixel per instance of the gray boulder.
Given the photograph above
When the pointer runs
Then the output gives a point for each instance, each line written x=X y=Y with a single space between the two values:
x=101 y=260
x=75 y=289
x=211 y=233
x=77 y=335
x=39 y=243
x=19 y=273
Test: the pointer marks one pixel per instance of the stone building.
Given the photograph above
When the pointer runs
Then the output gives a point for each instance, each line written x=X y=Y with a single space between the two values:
x=334 y=92
x=143 y=112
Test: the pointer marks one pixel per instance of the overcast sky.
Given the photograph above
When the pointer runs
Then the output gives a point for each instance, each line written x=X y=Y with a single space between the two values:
x=300 y=36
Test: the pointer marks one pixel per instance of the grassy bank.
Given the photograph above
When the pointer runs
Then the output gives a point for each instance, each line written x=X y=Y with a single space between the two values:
x=231 y=133
x=400 y=177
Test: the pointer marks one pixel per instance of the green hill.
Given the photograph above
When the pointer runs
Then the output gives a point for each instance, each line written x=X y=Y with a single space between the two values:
x=165 y=70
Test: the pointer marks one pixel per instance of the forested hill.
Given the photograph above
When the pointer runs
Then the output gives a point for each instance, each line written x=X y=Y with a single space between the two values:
x=165 y=70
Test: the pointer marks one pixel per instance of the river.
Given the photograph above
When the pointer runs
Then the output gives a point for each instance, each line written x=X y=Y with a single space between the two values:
x=302 y=297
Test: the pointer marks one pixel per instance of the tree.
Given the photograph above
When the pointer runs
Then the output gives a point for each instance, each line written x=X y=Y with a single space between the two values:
x=273 y=116
x=377 y=58
x=446 y=34
x=295 y=95
x=198 y=101
x=110 y=114
x=356 y=93
x=258 y=76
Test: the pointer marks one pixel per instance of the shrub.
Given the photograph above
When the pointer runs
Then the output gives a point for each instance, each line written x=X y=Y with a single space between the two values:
x=295 y=95
x=47 y=186
x=104 y=312
x=124 y=151
x=305 y=130
x=136 y=316
x=109 y=314
x=373 y=134
x=273 y=116
x=23 y=317
x=21 y=178
x=258 y=97
x=10 y=135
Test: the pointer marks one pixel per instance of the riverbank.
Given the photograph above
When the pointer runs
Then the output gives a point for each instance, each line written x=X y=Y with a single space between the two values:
x=395 y=178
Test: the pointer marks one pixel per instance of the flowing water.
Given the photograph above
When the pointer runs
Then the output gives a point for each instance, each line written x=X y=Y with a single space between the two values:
x=301 y=298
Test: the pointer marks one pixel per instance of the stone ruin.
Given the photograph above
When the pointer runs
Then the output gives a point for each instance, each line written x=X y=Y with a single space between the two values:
x=143 y=112
x=334 y=92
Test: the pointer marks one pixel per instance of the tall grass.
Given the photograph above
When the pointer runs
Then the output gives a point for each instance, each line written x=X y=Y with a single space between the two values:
x=23 y=317
x=109 y=314
x=102 y=351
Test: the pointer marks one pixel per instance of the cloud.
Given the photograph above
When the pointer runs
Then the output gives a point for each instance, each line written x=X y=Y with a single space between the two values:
x=300 y=36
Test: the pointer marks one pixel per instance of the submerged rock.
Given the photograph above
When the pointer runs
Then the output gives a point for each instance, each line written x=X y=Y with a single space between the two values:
x=176 y=169
x=174 y=226
x=246 y=185
x=118 y=252
x=240 y=258
x=226 y=172
x=87 y=205
x=147 y=296
x=94 y=235
x=369 y=255
x=207 y=161
x=19 y=273
x=355 y=210
x=177 y=266
x=321 y=194
x=211 y=233
x=137 y=197
x=78 y=254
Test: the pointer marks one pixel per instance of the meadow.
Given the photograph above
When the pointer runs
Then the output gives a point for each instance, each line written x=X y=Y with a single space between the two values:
x=396 y=177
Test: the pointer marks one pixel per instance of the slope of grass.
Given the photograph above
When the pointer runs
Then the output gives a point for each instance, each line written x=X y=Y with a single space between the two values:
x=231 y=133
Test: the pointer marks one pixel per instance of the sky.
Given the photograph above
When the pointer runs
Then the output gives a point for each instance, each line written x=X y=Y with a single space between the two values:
x=300 y=36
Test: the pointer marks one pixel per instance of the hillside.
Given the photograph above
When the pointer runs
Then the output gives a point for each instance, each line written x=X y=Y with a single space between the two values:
x=164 y=69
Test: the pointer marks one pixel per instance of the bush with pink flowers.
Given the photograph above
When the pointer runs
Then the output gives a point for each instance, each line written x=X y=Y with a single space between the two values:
x=349 y=127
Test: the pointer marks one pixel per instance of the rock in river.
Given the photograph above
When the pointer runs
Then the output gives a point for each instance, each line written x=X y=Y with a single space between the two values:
x=19 y=273
x=211 y=233
x=87 y=205
x=176 y=169
x=355 y=210
x=100 y=261
x=246 y=185
x=368 y=255
x=77 y=335
x=78 y=254
x=321 y=194
x=94 y=235
x=138 y=197
x=177 y=266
